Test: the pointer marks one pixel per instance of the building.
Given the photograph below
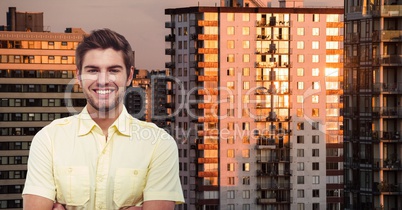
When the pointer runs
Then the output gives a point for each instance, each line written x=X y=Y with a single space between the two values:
x=372 y=99
x=37 y=85
x=257 y=105
x=147 y=98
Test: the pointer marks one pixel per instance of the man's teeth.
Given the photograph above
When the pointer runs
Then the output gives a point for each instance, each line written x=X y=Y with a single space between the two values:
x=103 y=92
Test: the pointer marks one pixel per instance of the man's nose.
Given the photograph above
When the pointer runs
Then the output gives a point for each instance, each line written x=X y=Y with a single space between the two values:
x=103 y=78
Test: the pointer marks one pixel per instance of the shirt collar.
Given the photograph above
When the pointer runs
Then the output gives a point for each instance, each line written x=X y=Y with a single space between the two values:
x=122 y=123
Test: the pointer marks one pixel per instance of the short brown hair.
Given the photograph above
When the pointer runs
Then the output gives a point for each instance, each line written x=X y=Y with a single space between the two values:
x=104 y=39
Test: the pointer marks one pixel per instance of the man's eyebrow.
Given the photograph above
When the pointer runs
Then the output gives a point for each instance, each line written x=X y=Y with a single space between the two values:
x=115 y=66
x=109 y=67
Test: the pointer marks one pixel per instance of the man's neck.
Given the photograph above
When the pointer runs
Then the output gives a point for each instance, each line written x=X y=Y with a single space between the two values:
x=105 y=119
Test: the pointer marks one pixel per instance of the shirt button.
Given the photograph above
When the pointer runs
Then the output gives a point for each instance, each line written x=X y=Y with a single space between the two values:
x=135 y=172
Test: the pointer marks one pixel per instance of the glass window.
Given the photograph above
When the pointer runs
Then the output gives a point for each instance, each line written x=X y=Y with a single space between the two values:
x=246 y=31
x=300 y=31
x=300 y=72
x=300 y=45
x=231 y=44
x=230 y=30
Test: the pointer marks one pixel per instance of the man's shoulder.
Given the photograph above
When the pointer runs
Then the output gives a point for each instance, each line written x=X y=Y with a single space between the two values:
x=64 y=121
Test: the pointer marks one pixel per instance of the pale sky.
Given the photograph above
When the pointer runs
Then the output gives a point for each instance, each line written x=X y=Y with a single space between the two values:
x=142 y=22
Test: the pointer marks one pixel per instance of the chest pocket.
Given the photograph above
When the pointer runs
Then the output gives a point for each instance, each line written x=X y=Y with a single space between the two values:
x=128 y=186
x=72 y=185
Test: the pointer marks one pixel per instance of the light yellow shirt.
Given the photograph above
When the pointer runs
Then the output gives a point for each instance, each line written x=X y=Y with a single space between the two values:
x=72 y=162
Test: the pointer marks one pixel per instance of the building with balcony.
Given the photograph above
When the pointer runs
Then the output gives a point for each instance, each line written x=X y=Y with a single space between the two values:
x=147 y=98
x=37 y=85
x=258 y=102
x=372 y=99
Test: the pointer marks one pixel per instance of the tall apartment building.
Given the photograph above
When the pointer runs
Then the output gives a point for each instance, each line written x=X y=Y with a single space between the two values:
x=257 y=105
x=372 y=101
x=147 y=98
x=37 y=71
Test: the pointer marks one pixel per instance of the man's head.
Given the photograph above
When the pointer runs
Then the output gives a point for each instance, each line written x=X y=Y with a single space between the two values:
x=104 y=70
x=104 y=39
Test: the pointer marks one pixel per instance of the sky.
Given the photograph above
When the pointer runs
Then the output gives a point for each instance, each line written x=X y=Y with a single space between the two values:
x=142 y=22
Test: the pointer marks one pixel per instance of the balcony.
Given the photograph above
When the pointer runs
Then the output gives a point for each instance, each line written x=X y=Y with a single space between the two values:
x=207 y=23
x=208 y=91
x=391 y=11
x=207 y=174
x=208 y=50
x=208 y=119
x=273 y=186
x=170 y=38
x=389 y=136
x=169 y=24
x=170 y=51
x=207 y=105
x=170 y=65
x=391 y=60
x=391 y=36
x=213 y=132
x=207 y=146
x=207 y=37
x=207 y=78
x=207 y=160
x=207 y=64
x=389 y=188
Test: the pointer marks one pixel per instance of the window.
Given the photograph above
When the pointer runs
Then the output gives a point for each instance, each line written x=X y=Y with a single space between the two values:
x=246 y=207
x=300 y=72
x=315 y=45
x=300 y=99
x=230 y=167
x=246 y=194
x=230 y=153
x=332 y=45
x=300 y=17
x=231 y=180
x=230 y=17
x=300 y=45
x=315 y=112
x=300 y=140
x=300 y=85
x=300 y=166
x=246 y=44
x=230 y=140
x=230 y=85
x=246 y=180
x=231 y=30
x=246 y=58
x=246 y=153
x=316 y=31
x=230 y=72
x=333 y=18
x=300 y=126
x=300 y=193
x=246 y=30
x=231 y=44
x=300 y=206
x=230 y=207
x=299 y=112
x=315 y=85
x=315 y=58
x=314 y=99
x=230 y=58
x=316 y=179
x=231 y=194
x=246 y=17
x=316 y=206
x=316 y=166
x=300 y=58
x=315 y=139
x=246 y=85
x=300 y=179
x=300 y=31
x=315 y=152
x=246 y=140
x=316 y=17
x=315 y=72
x=315 y=125
x=246 y=166
x=300 y=152
x=246 y=71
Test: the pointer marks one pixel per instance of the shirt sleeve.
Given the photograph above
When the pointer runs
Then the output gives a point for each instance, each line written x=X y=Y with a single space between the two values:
x=163 y=181
x=40 y=180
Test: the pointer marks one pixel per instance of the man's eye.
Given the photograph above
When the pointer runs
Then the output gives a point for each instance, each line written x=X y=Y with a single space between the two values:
x=92 y=71
x=114 y=70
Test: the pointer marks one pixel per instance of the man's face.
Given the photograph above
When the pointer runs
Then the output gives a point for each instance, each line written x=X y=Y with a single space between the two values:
x=104 y=79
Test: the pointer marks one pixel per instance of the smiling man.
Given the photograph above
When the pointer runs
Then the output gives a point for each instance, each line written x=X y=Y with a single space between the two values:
x=103 y=158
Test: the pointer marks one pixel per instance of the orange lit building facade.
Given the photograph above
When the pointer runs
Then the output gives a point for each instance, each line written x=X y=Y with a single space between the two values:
x=257 y=109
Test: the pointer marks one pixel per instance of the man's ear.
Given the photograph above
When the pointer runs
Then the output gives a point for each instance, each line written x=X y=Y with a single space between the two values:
x=77 y=72
x=130 y=76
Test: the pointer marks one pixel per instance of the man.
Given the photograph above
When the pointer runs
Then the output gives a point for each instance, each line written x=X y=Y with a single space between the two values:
x=103 y=158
